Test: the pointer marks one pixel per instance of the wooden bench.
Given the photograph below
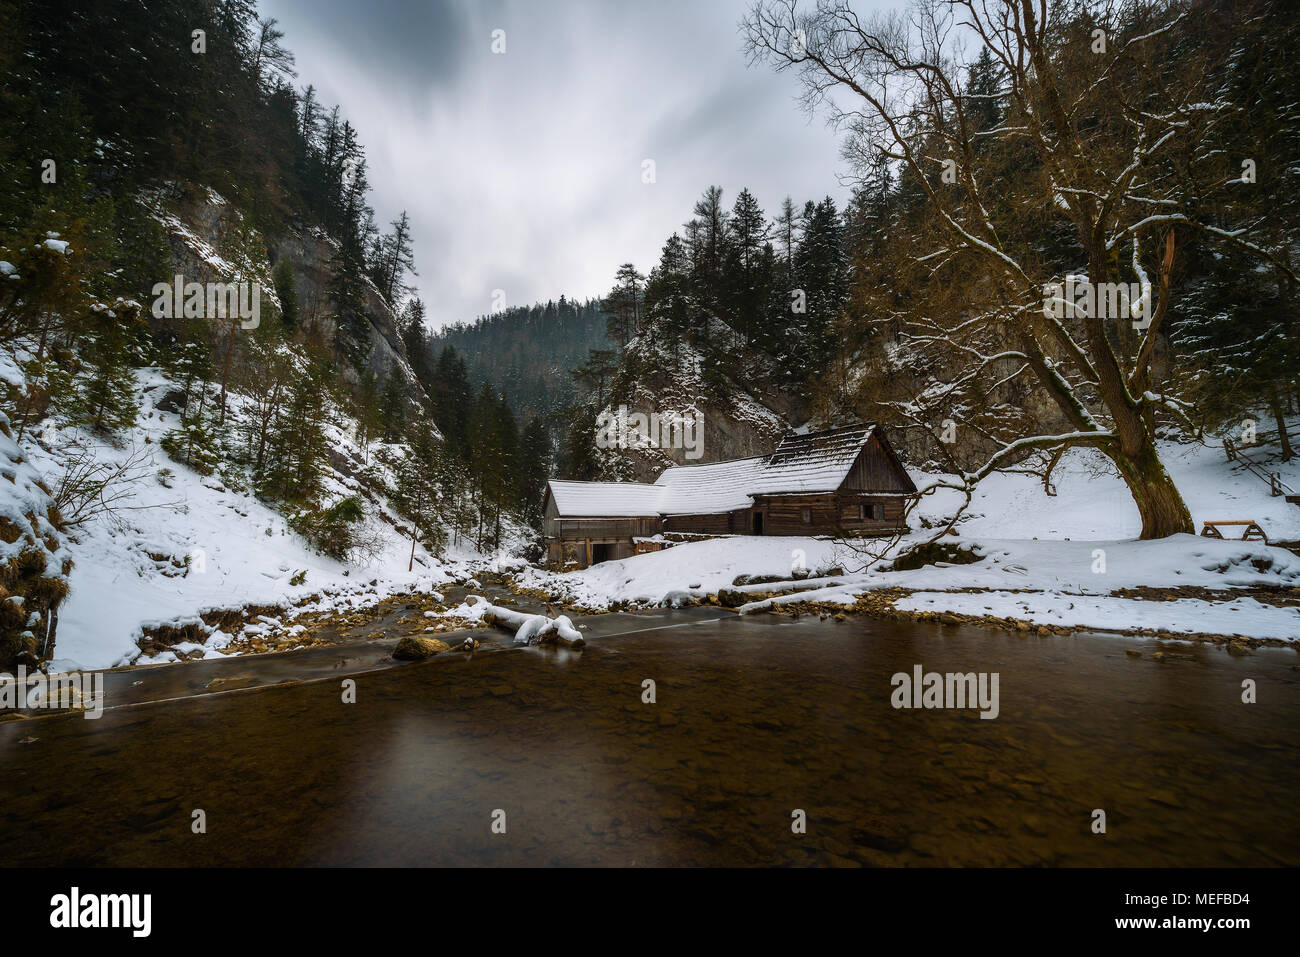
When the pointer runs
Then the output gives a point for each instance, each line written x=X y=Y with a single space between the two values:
x=1252 y=532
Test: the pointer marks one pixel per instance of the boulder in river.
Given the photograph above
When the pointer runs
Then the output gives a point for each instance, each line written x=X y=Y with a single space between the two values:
x=417 y=648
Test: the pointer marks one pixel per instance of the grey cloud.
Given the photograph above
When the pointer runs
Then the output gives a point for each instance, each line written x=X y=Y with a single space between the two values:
x=522 y=171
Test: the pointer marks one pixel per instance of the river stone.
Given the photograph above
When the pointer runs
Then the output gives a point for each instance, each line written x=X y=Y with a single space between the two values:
x=417 y=648
x=730 y=598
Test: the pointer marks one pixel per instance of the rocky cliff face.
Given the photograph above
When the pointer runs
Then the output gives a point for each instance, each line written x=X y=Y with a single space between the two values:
x=721 y=424
x=310 y=253
x=211 y=241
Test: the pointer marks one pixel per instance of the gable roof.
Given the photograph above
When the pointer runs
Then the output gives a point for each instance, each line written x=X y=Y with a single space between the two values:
x=812 y=463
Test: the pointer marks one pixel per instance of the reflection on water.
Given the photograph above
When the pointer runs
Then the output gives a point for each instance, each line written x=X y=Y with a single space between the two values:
x=754 y=718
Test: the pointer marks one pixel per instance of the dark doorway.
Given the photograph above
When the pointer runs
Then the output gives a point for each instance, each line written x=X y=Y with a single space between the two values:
x=601 y=553
x=758 y=523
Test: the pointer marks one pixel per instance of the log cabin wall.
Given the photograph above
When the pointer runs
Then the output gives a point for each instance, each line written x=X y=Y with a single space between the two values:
x=602 y=529
x=884 y=513
x=829 y=514
x=568 y=540
x=783 y=514
x=721 y=524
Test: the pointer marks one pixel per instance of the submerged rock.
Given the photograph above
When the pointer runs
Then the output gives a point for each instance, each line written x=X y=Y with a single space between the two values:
x=417 y=648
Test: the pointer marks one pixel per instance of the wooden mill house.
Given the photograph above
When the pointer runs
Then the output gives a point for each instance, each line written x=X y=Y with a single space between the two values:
x=843 y=481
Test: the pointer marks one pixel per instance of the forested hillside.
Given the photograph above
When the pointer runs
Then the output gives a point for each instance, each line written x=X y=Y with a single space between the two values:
x=147 y=144
x=529 y=352
x=1146 y=150
x=531 y=355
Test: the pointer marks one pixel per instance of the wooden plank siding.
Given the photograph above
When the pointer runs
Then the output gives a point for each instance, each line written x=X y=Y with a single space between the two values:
x=602 y=529
x=877 y=469
x=723 y=523
x=830 y=514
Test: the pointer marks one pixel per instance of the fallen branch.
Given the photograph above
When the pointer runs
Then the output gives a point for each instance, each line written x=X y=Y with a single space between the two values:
x=533 y=629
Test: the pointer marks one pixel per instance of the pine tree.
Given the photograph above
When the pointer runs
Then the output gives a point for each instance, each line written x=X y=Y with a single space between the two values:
x=395 y=257
x=420 y=488
x=296 y=449
x=748 y=270
x=286 y=290
x=393 y=407
x=107 y=393
x=597 y=371
x=453 y=401
x=270 y=58
x=352 y=329
x=623 y=304
x=419 y=353
x=821 y=271
x=366 y=411
x=535 y=469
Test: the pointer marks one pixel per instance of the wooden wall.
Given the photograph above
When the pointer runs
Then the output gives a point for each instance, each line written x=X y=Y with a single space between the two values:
x=726 y=523
x=601 y=529
x=831 y=513
x=567 y=539
x=876 y=471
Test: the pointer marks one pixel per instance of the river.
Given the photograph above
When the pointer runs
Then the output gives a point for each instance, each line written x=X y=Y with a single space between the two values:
x=754 y=720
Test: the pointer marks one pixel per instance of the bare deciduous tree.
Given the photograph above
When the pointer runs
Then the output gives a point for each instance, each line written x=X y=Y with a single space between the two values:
x=1099 y=140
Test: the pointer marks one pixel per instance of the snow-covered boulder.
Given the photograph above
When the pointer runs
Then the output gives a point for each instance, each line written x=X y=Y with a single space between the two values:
x=418 y=647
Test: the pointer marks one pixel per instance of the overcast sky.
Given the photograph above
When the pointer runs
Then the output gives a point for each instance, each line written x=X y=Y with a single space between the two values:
x=522 y=171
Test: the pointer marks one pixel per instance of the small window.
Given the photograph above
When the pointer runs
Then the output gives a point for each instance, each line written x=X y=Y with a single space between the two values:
x=871 y=511
x=806 y=515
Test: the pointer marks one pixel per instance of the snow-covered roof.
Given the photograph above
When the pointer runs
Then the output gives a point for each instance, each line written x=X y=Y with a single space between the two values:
x=816 y=462
x=708 y=489
x=614 y=499
x=802 y=464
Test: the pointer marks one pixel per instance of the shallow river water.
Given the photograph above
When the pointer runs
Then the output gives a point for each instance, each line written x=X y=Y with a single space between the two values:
x=754 y=719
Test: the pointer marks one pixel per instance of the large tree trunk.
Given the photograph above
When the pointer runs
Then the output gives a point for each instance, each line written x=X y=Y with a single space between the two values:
x=225 y=371
x=1279 y=416
x=1158 y=500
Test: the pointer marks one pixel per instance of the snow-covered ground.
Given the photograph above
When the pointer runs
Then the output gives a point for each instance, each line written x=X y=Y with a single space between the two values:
x=174 y=551
x=1047 y=559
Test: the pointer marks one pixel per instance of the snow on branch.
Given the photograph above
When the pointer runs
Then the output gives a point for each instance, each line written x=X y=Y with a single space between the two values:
x=531 y=629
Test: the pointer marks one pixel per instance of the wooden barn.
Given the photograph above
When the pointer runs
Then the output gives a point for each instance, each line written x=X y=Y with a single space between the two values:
x=845 y=481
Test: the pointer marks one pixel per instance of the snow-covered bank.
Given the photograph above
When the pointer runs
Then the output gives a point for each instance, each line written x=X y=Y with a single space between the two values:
x=184 y=544
x=1241 y=616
